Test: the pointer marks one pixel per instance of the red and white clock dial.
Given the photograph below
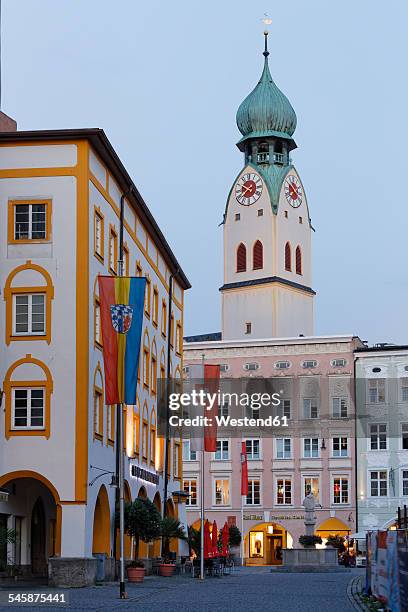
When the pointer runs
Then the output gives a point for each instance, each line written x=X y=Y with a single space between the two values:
x=293 y=191
x=248 y=188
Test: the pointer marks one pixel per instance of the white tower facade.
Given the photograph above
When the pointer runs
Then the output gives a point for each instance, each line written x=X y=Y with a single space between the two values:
x=267 y=290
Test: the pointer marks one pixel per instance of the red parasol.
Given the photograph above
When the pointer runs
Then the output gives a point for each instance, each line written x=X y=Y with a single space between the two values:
x=225 y=539
x=207 y=541
x=214 y=538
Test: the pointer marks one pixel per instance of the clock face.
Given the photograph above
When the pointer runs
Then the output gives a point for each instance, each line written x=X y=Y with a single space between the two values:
x=293 y=191
x=248 y=188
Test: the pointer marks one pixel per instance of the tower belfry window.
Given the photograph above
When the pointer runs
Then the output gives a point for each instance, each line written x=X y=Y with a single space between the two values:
x=263 y=153
x=298 y=260
x=288 y=257
x=258 y=255
x=241 y=258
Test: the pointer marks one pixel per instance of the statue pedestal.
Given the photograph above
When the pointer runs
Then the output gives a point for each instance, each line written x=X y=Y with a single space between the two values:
x=309 y=560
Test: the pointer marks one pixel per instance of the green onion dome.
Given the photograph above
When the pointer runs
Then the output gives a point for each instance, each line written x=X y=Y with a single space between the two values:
x=266 y=111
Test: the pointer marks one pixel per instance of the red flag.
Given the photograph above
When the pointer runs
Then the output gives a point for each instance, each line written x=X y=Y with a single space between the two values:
x=211 y=383
x=244 y=470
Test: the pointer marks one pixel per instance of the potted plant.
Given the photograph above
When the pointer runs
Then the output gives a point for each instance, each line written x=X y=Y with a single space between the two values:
x=8 y=536
x=336 y=541
x=142 y=522
x=309 y=541
x=170 y=528
x=135 y=571
x=234 y=539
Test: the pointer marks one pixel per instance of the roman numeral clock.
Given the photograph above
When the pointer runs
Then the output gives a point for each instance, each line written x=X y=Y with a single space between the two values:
x=248 y=189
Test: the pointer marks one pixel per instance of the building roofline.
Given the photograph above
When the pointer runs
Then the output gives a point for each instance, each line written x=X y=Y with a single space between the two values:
x=270 y=341
x=104 y=148
x=382 y=349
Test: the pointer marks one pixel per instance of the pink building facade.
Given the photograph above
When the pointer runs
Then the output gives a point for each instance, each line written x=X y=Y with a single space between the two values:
x=314 y=376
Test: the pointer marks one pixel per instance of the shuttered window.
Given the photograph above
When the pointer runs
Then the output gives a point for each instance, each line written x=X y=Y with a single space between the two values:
x=288 y=257
x=241 y=258
x=298 y=259
x=258 y=255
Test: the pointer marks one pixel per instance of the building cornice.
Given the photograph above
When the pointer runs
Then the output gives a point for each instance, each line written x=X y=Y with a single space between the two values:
x=267 y=281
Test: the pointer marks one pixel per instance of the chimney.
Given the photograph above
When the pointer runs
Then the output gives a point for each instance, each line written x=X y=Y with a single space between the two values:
x=7 y=124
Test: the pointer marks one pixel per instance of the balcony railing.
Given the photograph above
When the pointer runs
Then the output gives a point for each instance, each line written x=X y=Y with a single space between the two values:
x=278 y=158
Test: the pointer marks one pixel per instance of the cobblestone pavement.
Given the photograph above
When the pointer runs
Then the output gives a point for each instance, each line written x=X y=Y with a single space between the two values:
x=247 y=589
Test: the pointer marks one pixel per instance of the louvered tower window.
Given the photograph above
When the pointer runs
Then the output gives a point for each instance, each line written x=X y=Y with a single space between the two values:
x=288 y=257
x=298 y=258
x=258 y=255
x=241 y=258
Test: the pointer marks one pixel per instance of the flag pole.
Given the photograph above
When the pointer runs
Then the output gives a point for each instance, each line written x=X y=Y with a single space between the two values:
x=202 y=500
x=120 y=463
x=242 y=531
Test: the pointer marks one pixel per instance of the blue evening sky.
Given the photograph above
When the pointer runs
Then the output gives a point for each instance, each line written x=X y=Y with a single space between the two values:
x=164 y=80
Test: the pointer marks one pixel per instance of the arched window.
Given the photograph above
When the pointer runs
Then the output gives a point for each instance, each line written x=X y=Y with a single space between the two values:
x=152 y=437
x=28 y=387
x=146 y=359
x=98 y=403
x=258 y=255
x=28 y=293
x=288 y=257
x=153 y=376
x=145 y=433
x=298 y=260
x=241 y=258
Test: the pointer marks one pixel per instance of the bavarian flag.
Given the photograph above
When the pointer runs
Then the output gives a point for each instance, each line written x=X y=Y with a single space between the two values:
x=121 y=308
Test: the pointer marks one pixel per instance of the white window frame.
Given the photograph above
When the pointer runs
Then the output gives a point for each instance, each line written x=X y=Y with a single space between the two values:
x=378 y=399
x=311 y=456
x=214 y=497
x=98 y=234
x=223 y=410
x=404 y=388
x=281 y=409
x=285 y=480
x=310 y=364
x=191 y=479
x=341 y=477
x=313 y=402
x=187 y=456
x=250 y=457
x=378 y=437
x=334 y=363
x=378 y=470
x=314 y=477
x=222 y=442
x=30 y=220
x=340 y=437
x=251 y=480
x=28 y=427
x=340 y=400
x=402 y=470
x=403 y=426
x=30 y=331
x=283 y=440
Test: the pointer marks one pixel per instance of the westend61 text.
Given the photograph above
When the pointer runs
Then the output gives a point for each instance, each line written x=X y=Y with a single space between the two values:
x=227 y=421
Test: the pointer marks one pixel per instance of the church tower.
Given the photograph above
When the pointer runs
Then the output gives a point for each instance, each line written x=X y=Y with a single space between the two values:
x=267 y=228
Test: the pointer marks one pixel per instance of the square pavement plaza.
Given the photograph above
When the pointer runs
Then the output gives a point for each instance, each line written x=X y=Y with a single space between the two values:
x=246 y=589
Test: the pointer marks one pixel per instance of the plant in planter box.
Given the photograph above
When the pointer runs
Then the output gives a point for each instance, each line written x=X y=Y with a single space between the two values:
x=309 y=541
x=8 y=536
x=142 y=522
x=170 y=528
x=234 y=536
x=194 y=540
x=338 y=542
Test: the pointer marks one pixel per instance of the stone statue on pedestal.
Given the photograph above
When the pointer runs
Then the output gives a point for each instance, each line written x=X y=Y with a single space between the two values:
x=309 y=504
